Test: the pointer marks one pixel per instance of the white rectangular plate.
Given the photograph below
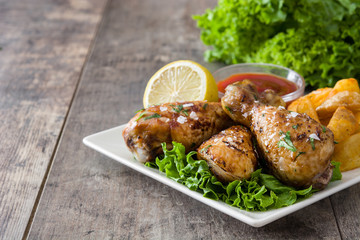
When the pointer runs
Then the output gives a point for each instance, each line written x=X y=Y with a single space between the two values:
x=111 y=143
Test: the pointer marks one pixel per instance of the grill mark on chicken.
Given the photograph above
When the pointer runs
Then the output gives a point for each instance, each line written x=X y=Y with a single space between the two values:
x=318 y=133
x=233 y=146
x=301 y=136
x=260 y=129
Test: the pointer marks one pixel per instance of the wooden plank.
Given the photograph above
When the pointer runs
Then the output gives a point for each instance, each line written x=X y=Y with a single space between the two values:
x=346 y=206
x=89 y=196
x=44 y=46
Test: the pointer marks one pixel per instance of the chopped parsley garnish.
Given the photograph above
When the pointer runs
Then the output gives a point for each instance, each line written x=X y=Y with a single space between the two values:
x=180 y=109
x=281 y=133
x=140 y=116
x=205 y=148
x=263 y=115
x=299 y=155
x=287 y=143
x=140 y=110
x=336 y=142
x=229 y=109
x=176 y=110
x=323 y=128
x=312 y=142
x=155 y=115
x=205 y=105
x=295 y=126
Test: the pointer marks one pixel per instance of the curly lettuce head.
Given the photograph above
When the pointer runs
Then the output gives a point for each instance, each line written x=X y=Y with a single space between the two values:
x=319 y=39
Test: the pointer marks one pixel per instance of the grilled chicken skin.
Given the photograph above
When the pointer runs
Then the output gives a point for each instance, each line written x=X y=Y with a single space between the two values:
x=189 y=123
x=230 y=154
x=269 y=97
x=296 y=148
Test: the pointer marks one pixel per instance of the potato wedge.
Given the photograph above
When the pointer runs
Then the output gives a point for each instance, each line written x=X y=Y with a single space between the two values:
x=350 y=100
x=349 y=84
x=306 y=107
x=357 y=116
x=343 y=124
x=293 y=106
x=318 y=96
x=348 y=153
x=325 y=121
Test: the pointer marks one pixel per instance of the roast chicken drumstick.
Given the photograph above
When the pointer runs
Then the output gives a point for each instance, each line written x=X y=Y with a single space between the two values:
x=296 y=148
x=230 y=154
x=189 y=123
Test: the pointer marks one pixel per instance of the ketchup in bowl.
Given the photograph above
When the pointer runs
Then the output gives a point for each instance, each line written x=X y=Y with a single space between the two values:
x=287 y=83
x=262 y=81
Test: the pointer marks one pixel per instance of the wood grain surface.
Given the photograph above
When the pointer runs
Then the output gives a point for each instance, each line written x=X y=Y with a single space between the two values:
x=346 y=205
x=89 y=196
x=44 y=45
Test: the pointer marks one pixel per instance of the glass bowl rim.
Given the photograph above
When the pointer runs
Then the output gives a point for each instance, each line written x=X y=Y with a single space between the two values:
x=287 y=97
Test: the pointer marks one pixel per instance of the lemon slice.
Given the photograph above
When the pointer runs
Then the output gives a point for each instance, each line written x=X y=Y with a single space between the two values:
x=180 y=81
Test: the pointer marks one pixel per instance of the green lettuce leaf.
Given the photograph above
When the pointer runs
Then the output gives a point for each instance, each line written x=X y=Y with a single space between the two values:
x=319 y=39
x=336 y=171
x=262 y=192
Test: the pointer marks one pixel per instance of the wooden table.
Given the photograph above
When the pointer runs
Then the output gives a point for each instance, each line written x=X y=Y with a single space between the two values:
x=72 y=68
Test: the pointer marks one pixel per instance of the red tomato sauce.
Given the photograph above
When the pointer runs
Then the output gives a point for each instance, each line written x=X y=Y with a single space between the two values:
x=280 y=85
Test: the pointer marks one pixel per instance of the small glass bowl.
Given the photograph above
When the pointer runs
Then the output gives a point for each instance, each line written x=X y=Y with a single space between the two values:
x=272 y=69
